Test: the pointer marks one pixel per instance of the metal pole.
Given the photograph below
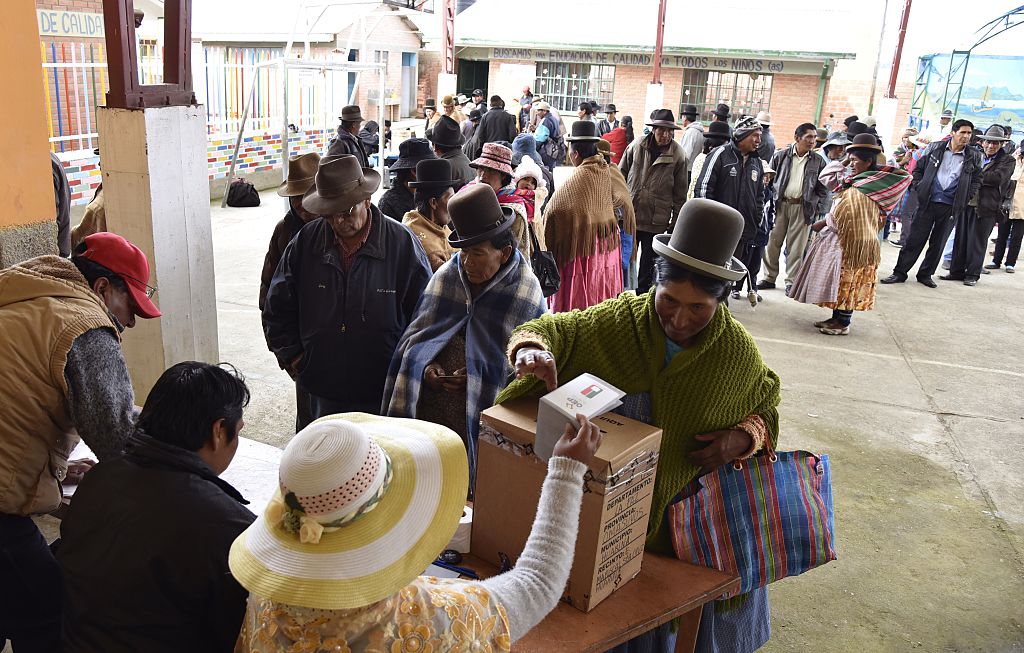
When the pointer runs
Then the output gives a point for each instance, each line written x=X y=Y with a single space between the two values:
x=904 y=18
x=238 y=141
x=878 y=59
x=382 y=73
x=660 y=42
x=284 y=128
x=448 y=37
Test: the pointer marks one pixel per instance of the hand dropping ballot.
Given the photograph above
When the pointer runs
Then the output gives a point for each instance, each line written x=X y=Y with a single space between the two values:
x=586 y=395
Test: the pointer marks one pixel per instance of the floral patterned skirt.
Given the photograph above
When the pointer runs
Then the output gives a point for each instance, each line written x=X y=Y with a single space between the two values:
x=856 y=289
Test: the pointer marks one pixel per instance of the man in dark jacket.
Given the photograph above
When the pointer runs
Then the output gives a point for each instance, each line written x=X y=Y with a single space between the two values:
x=347 y=139
x=800 y=198
x=301 y=173
x=447 y=139
x=732 y=174
x=946 y=178
x=496 y=125
x=144 y=545
x=974 y=226
x=398 y=199
x=656 y=171
x=344 y=292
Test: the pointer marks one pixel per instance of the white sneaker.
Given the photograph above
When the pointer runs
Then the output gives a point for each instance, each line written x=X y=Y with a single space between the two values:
x=1009 y=268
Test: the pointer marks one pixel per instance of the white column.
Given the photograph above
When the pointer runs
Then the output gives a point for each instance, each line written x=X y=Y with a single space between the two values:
x=446 y=85
x=157 y=196
x=655 y=100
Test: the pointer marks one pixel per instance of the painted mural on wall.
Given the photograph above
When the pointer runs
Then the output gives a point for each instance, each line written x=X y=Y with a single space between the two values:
x=993 y=90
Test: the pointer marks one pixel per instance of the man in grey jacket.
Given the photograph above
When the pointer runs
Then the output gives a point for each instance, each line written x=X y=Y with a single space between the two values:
x=346 y=141
x=656 y=172
x=693 y=134
x=800 y=196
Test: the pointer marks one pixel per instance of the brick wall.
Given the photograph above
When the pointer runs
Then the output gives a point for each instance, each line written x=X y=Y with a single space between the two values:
x=429 y=63
x=794 y=100
x=850 y=97
x=392 y=34
x=87 y=6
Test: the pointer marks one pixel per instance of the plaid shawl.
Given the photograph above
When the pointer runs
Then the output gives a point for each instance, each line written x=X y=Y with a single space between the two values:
x=884 y=186
x=511 y=298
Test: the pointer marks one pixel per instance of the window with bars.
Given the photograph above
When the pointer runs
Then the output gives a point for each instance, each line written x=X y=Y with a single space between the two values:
x=565 y=85
x=745 y=93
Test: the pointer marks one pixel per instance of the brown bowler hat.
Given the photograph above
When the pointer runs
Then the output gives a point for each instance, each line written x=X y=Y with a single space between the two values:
x=476 y=216
x=864 y=141
x=301 y=174
x=340 y=183
x=704 y=239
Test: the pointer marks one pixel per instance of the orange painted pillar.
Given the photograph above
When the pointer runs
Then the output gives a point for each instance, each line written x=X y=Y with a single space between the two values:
x=27 y=207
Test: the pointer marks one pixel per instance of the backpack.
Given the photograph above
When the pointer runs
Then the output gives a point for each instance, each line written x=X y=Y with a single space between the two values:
x=554 y=147
x=241 y=194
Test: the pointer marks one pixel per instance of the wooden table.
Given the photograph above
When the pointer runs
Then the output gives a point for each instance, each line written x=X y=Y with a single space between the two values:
x=666 y=588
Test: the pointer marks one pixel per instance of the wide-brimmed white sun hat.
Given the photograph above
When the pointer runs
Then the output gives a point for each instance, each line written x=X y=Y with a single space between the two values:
x=365 y=504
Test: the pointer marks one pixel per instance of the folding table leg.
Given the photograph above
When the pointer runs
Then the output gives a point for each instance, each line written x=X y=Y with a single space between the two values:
x=689 y=624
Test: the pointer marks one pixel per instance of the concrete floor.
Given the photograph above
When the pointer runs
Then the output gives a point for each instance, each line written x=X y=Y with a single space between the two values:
x=921 y=409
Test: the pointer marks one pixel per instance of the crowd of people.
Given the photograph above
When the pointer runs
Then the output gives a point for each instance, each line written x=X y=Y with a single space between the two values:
x=401 y=320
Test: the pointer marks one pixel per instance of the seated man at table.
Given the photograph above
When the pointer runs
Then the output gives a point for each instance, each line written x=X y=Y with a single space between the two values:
x=145 y=542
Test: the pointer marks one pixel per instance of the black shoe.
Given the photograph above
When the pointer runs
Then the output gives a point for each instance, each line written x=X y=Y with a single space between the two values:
x=765 y=285
x=789 y=287
x=893 y=278
x=927 y=281
x=951 y=277
x=993 y=266
x=895 y=243
x=970 y=282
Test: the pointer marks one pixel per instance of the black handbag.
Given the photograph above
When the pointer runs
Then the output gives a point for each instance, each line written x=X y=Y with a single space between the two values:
x=241 y=194
x=544 y=266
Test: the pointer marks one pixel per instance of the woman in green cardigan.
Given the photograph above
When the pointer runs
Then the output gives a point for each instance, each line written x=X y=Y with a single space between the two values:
x=688 y=367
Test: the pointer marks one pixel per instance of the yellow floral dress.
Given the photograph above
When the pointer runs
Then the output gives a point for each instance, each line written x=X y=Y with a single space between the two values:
x=430 y=615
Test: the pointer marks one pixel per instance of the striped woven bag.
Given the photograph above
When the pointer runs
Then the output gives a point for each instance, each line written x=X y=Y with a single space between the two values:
x=763 y=519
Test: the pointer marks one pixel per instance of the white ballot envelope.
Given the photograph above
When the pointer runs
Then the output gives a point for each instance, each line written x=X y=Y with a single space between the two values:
x=586 y=395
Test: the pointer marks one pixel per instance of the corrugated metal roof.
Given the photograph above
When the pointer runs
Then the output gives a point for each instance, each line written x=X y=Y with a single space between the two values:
x=792 y=29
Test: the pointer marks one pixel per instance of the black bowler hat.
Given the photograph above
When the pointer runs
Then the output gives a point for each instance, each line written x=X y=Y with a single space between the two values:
x=689 y=110
x=583 y=130
x=611 y=109
x=718 y=130
x=477 y=216
x=446 y=133
x=854 y=128
x=434 y=173
x=704 y=239
x=430 y=104
x=722 y=111
x=411 y=151
x=663 y=118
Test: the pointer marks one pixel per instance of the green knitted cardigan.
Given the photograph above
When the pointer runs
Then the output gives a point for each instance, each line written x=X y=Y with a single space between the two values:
x=713 y=385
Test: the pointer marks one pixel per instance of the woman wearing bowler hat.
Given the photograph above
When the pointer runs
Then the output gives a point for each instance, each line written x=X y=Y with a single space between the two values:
x=450 y=363
x=581 y=229
x=429 y=219
x=688 y=368
x=841 y=266
x=397 y=201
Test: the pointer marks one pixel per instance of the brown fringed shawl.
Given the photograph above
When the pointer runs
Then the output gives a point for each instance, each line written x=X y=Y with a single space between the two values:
x=581 y=213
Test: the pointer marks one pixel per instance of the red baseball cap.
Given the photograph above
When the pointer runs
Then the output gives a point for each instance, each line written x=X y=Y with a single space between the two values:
x=128 y=262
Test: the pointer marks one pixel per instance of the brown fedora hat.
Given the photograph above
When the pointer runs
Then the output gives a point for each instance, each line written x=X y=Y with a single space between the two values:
x=704 y=239
x=340 y=183
x=476 y=216
x=301 y=173
x=351 y=113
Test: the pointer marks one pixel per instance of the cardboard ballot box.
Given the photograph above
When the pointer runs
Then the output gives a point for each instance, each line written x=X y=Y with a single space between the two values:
x=616 y=500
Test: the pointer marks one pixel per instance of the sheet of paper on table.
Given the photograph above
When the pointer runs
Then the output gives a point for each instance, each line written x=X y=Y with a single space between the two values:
x=586 y=395
x=253 y=471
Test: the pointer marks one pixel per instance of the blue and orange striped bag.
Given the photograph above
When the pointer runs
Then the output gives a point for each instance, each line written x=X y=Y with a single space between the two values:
x=764 y=519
